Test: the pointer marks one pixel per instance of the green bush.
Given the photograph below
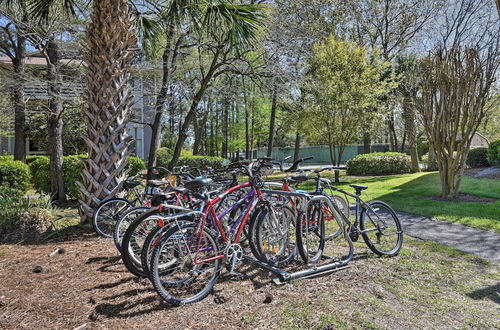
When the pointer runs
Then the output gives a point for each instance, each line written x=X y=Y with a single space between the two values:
x=72 y=168
x=24 y=218
x=14 y=177
x=134 y=165
x=32 y=158
x=163 y=156
x=379 y=163
x=203 y=161
x=477 y=158
x=40 y=174
x=6 y=158
x=493 y=153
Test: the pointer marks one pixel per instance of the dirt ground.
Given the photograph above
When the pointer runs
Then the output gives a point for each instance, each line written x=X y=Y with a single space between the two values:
x=86 y=286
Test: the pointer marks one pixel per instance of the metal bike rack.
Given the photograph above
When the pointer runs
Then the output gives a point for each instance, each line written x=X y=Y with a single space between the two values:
x=284 y=276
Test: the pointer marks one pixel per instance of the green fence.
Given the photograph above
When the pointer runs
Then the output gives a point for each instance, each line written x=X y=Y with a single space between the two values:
x=321 y=154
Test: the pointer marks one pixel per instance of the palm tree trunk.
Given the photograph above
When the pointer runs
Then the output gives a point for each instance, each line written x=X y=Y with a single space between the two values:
x=110 y=43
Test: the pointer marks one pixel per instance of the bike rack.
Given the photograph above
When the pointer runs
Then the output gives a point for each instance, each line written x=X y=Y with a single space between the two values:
x=284 y=276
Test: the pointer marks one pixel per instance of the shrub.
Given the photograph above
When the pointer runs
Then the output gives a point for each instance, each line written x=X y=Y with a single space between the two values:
x=72 y=168
x=379 y=163
x=14 y=177
x=134 y=165
x=40 y=174
x=24 y=218
x=163 y=156
x=493 y=153
x=477 y=158
x=203 y=161
x=6 y=158
x=32 y=158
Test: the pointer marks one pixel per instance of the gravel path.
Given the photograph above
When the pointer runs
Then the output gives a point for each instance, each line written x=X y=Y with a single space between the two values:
x=485 y=244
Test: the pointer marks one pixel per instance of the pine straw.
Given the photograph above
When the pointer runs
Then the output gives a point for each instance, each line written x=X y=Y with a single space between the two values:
x=427 y=285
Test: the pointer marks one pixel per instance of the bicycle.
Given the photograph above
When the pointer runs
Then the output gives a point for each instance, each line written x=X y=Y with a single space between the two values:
x=375 y=221
x=186 y=263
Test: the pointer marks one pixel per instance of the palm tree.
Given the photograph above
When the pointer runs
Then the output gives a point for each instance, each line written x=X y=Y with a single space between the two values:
x=110 y=43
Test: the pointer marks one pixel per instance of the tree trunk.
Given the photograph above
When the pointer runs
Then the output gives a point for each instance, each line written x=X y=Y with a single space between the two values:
x=198 y=135
x=247 y=128
x=367 y=146
x=272 y=121
x=411 y=131
x=431 y=163
x=393 y=139
x=296 y=150
x=55 y=123
x=110 y=44
x=161 y=100
x=225 y=128
x=19 y=101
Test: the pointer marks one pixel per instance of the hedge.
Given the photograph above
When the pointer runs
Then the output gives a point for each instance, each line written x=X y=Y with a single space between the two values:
x=163 y=156
x=379 y=163
x=14 y=178
x=493 y=153
x=201 y=162
x=477 y=158
x=134 y=165
x=72 y=169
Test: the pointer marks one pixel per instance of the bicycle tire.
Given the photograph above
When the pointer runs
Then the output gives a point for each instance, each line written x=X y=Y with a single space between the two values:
x=103 y=223
x=122 y=224
x=168 y=290
x=131 y=247
x=310 y=233
x=343 y=207
x=389 y=219
x=268 y=232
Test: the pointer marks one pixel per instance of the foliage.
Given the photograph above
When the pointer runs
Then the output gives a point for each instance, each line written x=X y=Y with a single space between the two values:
x=379 y=163
x=164 y=155
x=5 y=158
x=134 y=165
x=14 y=177
x=493 y=153
x=345 y=87
x=477 y=158
x=73 y=167
x=25 y=218
x=40 y=174
x=203 y=161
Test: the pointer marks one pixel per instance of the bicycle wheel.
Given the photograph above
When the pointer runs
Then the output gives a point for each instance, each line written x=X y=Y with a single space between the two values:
x=332 y=229
x=125 y=221
x=134 y=238
x=381 y=229
x=310 y=232
x=189 y=279
x=274 y=234
x=107 y=215
x=153 y=239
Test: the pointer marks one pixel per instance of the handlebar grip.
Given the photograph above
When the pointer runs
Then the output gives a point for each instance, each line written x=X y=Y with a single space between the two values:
x=308 y=158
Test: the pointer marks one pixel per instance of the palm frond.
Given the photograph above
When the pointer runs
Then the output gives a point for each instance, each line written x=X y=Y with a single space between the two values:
x=41 y=9
x=241 y=22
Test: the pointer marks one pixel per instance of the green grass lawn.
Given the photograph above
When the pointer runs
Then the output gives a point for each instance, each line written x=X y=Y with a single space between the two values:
x=410 y=193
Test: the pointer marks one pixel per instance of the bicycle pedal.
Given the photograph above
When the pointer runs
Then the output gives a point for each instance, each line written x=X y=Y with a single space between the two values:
x=235 y=274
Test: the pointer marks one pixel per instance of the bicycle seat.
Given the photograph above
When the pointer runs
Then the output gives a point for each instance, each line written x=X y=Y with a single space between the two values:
x=198 y=182
x=130 y=184
x=301 y=177
x=359 y=188
x=157 y=183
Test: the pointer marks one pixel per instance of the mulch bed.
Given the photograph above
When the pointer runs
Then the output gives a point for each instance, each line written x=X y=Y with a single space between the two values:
x=80 y=282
